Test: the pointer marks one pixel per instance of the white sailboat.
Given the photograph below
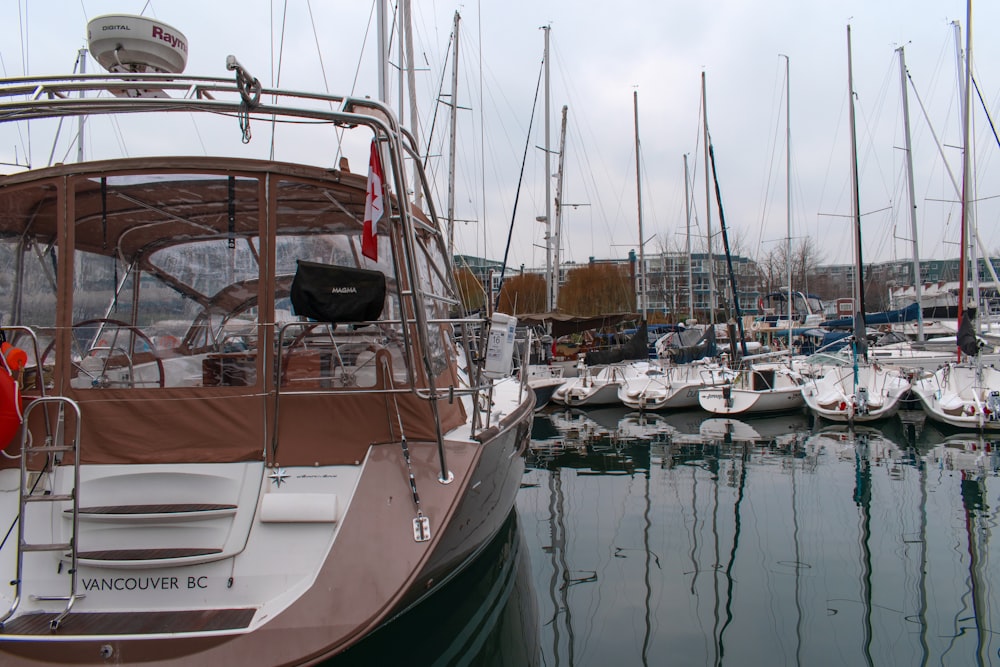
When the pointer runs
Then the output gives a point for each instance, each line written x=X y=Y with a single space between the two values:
x=769 y=386
x=671 y=387
x=861 y=391
x=964 y=394
x=763 y=385
x=597 y=385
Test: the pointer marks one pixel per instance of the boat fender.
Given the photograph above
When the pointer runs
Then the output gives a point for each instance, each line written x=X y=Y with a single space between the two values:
x=10 y=394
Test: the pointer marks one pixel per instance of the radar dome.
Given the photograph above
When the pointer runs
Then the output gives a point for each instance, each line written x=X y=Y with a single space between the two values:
x=123 y=43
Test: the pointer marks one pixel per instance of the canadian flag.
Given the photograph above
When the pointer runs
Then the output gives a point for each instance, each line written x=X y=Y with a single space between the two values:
x=373 y=206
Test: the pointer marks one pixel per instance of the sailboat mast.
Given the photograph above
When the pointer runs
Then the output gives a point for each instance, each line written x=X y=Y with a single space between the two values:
x=917 y=282
x=966 y=161
x=557 y=235
x=549 y=303
x=708 y=206
x=381 y=18
x=82 y=59
x=687 y=214
x=788 y=191
x=411 y=86
x=638 y=193
x=859 y=291
x=452 y=143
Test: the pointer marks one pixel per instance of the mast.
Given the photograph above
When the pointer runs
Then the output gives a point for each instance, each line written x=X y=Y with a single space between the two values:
x=452 y=142
x=549 y=305
x=917 y=282
x=966 y=162
x=411 y=83
x=383 y=51
x=708 y=207
x=559 y=211
x=638 y=193
x=687 y=214
x=788 y=191
x=859 y=291
x=82 y=57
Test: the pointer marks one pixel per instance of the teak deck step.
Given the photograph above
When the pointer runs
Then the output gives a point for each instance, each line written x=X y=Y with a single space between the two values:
x=131 y=622
x=145 y=554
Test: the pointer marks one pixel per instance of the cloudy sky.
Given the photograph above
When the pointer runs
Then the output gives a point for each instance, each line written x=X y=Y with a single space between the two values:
x=601 y=55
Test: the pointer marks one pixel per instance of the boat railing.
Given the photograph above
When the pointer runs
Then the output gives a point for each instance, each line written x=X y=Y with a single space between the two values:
x=22 y=98
x=54 y=449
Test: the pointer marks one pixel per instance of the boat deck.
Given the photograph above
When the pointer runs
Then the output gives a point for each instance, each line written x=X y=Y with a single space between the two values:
x=131 y=623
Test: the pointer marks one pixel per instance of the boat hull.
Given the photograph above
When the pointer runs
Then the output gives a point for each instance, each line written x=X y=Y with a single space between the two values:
x=321 y=622
x=962 y=396
x=733 y=401
x=847 y=396
x=671 y=388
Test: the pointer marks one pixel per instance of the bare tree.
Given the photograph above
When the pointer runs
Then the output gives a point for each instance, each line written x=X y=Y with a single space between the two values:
x=597 y=289
x=523 y=294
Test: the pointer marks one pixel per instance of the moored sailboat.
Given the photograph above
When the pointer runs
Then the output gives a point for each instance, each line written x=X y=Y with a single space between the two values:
x=860 y=391
x=762 y=387
x=313 y=453
x=965 y=393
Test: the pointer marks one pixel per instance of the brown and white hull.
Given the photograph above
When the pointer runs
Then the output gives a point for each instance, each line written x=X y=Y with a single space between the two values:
x=371 y=572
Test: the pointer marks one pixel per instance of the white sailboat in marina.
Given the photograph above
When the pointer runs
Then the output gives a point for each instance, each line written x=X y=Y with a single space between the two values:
x=860 y=391
x=597 y=385
x=665 y=386
x=762 y=387
x=965 y=394
x=764 y=384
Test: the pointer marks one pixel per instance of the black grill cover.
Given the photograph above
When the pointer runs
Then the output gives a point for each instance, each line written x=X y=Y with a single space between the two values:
x=335 y=294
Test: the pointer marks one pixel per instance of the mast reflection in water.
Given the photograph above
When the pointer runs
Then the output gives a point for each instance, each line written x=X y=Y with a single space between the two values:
x=687 y=540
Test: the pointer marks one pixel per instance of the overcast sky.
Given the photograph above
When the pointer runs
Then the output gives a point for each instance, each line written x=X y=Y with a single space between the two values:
x=600 y=55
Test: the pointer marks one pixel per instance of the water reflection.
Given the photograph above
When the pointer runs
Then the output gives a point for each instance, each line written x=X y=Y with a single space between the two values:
x=680 y=539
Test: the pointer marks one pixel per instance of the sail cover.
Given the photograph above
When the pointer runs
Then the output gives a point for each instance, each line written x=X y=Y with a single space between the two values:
x=968 y=342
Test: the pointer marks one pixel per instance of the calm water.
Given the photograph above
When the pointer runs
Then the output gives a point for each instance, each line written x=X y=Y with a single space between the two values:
x=680 y=539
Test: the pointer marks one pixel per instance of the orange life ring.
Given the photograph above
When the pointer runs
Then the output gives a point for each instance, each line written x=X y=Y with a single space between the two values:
x=10 y=406
x=15 y=357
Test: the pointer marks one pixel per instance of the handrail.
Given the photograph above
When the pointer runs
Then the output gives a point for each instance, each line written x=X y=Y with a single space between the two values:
x=52 y=450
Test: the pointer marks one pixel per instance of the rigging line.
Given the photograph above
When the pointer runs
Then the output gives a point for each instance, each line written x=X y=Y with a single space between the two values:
x=770 y=173
x=338 y=132
x=319 y=52
x=364 y=42
x=357 y=75
x=55 y=140
x=23 y=34
x=985 y=110
x=520 y=181
x=23 y=21
x=440 y=93
x=281 y=54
